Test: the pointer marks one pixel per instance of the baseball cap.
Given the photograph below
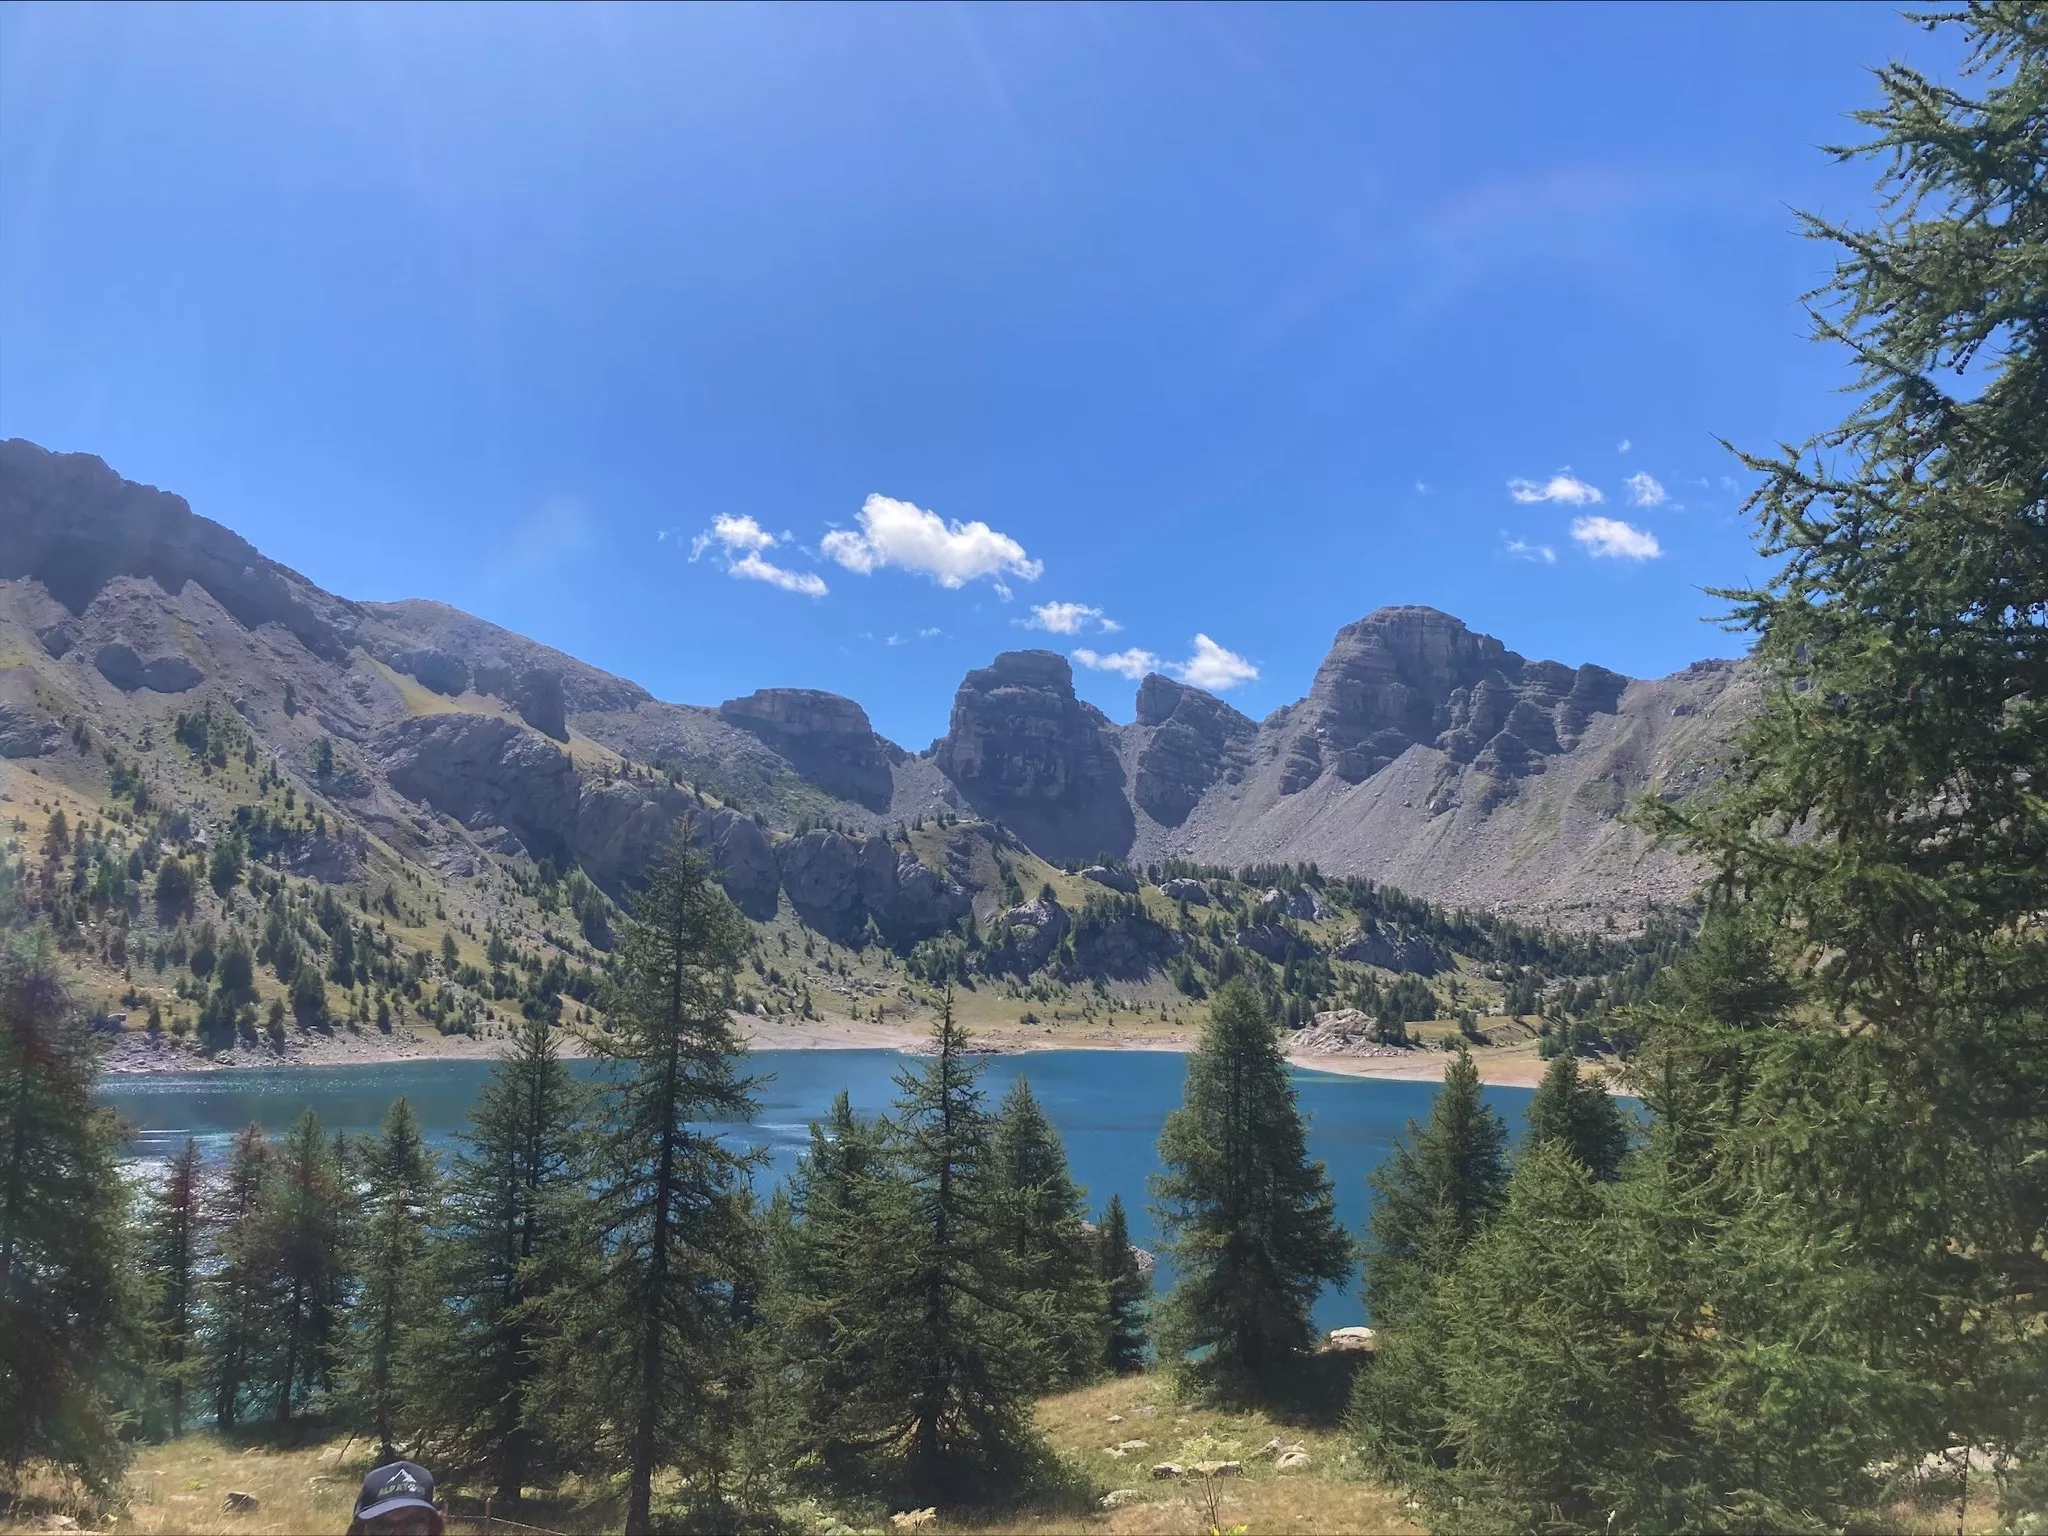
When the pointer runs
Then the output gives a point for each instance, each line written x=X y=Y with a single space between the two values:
x=396 y=1485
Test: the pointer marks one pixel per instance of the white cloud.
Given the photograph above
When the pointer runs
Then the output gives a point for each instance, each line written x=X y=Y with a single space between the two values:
x=1132 y=663
x=1610 y=538
x=1542 y=554
x=1210 y=667
x=753 y=568
x=897 y=533
x=1623 y=446
x=1068 y=619
x=1422 y=487
x=1564 y=487
x=1644 y=491
x=1214 y=668
x=735 y=535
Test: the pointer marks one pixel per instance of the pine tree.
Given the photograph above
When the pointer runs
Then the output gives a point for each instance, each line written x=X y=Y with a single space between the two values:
x=1040 y=1224
x=237 y=1291
x=680 y=1241
x=1579 y=1116
x=1435 y=1192
x=172 y=1251
x=297 y=1250
x=824 y=1234
x=391 y=1304
x=1127 y=1287
x=514 y=1240
x=64 y=1337
x=1250 y=1221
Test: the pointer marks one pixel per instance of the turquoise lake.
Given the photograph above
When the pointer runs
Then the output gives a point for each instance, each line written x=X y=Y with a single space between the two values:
x=1108 y=1105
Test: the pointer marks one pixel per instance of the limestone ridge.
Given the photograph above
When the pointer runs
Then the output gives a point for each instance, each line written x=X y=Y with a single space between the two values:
x=1425 y=754
x=1023 y=750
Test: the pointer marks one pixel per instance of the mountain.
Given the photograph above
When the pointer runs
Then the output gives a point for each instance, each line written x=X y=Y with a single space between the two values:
x=1424 y=754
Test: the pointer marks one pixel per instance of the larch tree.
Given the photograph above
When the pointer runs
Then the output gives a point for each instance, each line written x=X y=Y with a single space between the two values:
x=173 y=1232
x=236 y=1291
x=383 y=1370
x=1127 y=1288
x=1579 y=1116
x=1040 y=1221
x=1250 y=1221
x=64 y=1337
x=673 y=1204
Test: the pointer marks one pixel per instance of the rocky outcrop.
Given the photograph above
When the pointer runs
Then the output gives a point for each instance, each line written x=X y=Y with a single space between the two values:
x=26 y=729
x=1035 y=930
x=1110 y=876
x=1023 y=750
x=825 y=737
x=1193 y=892
x=485 y=771
x=71 y=523
x=838 y=883
x=170 y=673
x=1188 y=739
x=1391 y=951
x=1114 y=936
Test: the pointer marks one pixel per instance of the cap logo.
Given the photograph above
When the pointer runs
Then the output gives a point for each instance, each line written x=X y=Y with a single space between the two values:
x=402 y=1481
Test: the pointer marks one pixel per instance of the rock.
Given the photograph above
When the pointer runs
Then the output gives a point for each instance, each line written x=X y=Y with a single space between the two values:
x=1393 y=951
x=821 y=874
x=1114 y=1418
x=914 y=1519
x=741 y=859
x=1167 y=1469
x=824 y=737
x=485 y=771
x=1117 y=1498
x=1129 y=1446
x=1188 y=739
x=1291 y=1461
x=1116 y=879
x=26 y=729
x=1114 y=1452
x=907 y=900
x=1218 y=1469
x=1023 y=750
x=1193 y=892
x=1270 y=940
x=1340 y=1340
x=1036 y=929
x=239 y=1503
x=170 y=673
x=1344 y=1032
x=438 y=670
x=1119 y=941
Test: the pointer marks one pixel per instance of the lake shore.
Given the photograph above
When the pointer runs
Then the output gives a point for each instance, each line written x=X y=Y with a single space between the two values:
x=1508 y=1067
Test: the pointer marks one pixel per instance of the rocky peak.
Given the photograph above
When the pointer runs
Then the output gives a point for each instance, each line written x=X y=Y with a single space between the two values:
x=824 y=736
x=1022 y=749
x=1188 y=740
x=1405 y=675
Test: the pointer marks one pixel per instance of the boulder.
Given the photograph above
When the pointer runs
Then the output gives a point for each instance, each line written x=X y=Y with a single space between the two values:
x=1340 y=1340
x=1117 y=1498
x=1217 y=1469
x=1167 y=1469
x=240 y=1503
x=1291 y=1461
x=1116 y=879
x=1023 y=750
x=914 y=1519
x=824 y=737
x=1193 y=892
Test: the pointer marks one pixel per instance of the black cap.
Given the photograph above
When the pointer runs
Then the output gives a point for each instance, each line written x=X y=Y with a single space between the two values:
x=396 y=1485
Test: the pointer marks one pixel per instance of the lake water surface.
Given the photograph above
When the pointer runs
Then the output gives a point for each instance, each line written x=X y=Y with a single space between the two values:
x=1108 y=1105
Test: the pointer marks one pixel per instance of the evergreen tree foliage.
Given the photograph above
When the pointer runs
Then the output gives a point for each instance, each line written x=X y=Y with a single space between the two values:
x=1127 y=1290
x=514 y=1241
x=680 y=1242
x=1250 y=1221
x=1579 y=1116
x=1437 y=1190
x=391 y=1307
x=64 y=1337
x=237 y=1292
x=1053 y=1261
x=172 y=1253
x=297 y=1254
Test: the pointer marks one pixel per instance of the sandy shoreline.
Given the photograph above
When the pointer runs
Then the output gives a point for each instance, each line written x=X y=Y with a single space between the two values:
x=132 y=1053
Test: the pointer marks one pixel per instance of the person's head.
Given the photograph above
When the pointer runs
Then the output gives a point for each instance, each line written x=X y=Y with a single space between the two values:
x=397 y=1500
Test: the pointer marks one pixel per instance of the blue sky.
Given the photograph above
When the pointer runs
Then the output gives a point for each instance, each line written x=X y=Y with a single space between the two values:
x=841 y=346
